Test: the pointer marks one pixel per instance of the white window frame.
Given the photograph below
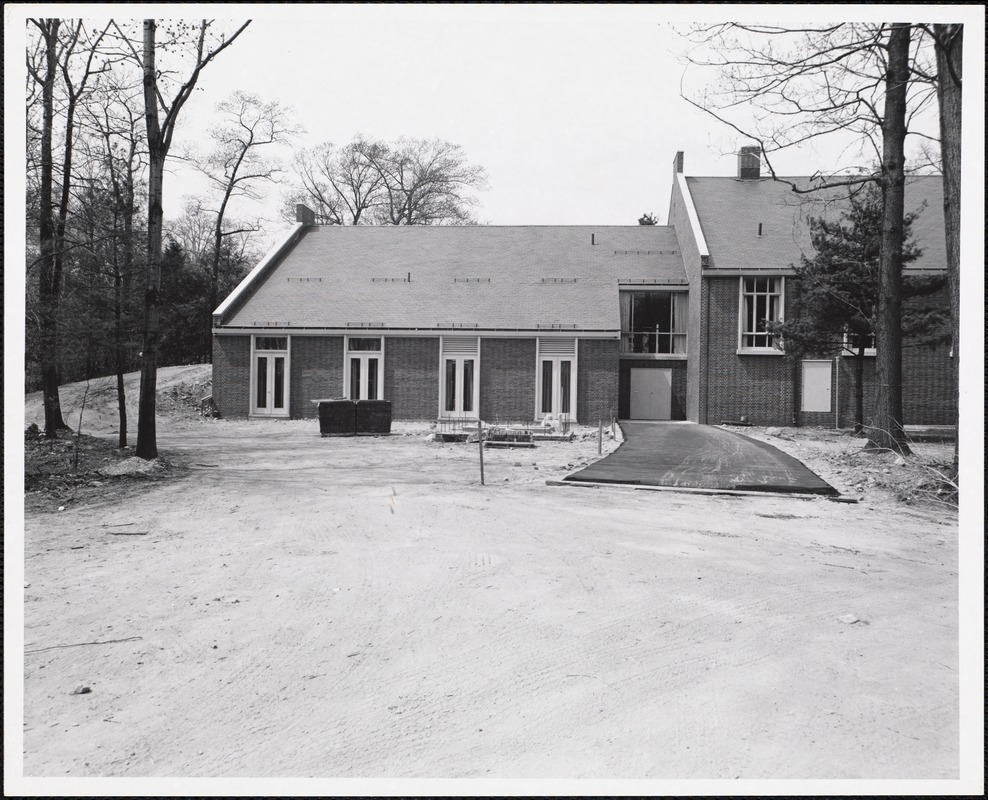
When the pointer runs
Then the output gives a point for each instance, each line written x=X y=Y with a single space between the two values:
x=459 y=357
x=775 y=348
x=869 y=351
x=253 y=410
x=555 y=357
x=363 y=355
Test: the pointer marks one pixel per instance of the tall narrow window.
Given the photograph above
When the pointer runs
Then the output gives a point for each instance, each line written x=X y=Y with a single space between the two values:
x=372 y=379
x=468 y=384
x=450 y=385
x=546 y=387
x=565 y=368
x=761 y=303
x=279 y=383
x=354 y=378
x=262 y=381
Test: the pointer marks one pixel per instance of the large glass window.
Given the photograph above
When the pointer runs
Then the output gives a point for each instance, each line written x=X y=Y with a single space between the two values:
x=761 y=303
x=654 y=322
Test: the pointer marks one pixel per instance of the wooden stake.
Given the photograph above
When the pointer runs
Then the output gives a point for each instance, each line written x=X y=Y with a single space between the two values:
x=480 y=442
x=600 y=437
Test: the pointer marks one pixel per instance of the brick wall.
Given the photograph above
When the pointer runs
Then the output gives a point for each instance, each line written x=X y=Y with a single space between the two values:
x=231 y=375
x=759 y=387
x=317 y=373
x=929 y=395
x=597 y=380
x=679 y=369
x=411 y=376
x=507 y=379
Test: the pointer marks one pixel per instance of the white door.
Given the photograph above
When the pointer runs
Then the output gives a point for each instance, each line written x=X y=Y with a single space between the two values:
x=270 y=397
x=556 y=387
x=459 y=386
x=651 y=394
x=365 y=377
x=362 y=379
x=816 y=386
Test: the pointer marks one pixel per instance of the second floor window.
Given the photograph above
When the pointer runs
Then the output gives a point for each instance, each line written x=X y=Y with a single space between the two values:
x=761 y=303
x=654 y=322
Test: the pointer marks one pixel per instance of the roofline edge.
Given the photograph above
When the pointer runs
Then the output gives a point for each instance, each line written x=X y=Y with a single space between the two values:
x=290 y=238
x=701 y=242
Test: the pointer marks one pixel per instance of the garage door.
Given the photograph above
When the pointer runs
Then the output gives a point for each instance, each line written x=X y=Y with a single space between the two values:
x=651 y=394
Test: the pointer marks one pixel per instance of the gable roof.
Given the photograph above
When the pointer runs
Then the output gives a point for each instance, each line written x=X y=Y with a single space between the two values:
x=730 y=211
x=435 y=277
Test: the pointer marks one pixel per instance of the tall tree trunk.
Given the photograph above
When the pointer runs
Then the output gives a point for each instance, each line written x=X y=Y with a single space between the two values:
x=949 y=49
x=146 y=429
x=118 y=354
x=49 y=286
x=886 y=427
x=214 y=271
x=147 y=439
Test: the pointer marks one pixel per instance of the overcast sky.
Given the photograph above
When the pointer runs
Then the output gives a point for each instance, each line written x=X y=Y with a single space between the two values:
x=574 y=110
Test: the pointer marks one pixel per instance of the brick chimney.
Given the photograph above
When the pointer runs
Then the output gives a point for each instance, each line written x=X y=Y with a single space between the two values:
x=677 y=165
x=749 y=162
x=305 y=215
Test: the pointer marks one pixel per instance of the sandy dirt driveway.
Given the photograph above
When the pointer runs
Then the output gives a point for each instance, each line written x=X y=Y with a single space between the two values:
x=299 y=606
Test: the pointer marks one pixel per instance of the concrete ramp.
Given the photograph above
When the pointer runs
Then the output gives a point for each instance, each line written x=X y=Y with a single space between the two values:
x=685 y=455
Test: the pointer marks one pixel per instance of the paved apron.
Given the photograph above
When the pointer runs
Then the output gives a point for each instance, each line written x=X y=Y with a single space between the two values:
x=701 y=457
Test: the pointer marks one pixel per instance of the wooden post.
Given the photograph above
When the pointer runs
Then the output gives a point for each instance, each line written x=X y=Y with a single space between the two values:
x=480 y=442
x=600 y=436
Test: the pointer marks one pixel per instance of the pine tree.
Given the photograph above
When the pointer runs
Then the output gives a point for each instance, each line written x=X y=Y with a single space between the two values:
x=836 y=296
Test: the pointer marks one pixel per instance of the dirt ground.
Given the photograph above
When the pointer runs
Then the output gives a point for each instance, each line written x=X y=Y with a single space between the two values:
x=280 y=604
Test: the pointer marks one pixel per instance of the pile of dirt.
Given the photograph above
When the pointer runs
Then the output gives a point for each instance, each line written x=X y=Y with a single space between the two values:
x=185 y=398
x=921 y=478
x=82 y=469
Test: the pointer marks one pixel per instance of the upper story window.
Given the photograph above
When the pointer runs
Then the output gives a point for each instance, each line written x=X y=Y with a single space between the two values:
x=654 y=322
x=761 y=303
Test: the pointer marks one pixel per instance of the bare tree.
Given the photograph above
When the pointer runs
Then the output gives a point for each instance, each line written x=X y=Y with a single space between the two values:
x=408 y=182
x=161 y=114
x=60 y=48
x=342 y=183
x=194 y=229
x=866 y=85
x=238 y=165
x=116 y=120
x=426 y=182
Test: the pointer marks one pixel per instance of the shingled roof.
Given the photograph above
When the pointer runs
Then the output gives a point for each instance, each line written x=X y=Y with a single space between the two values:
x=430 y=277
x=730 y=211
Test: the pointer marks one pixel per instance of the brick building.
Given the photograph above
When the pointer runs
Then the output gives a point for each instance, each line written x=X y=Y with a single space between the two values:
x=739 y=237
x=585 y=322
